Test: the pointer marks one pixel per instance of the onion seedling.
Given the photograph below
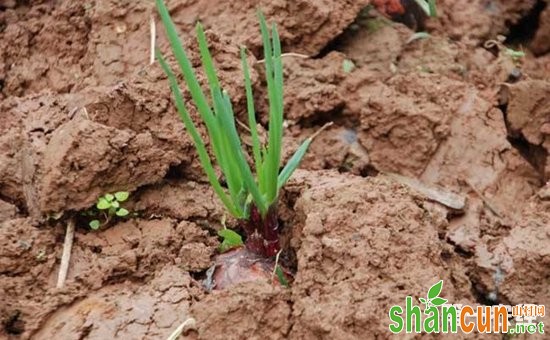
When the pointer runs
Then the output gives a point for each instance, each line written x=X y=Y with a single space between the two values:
x=249 y=195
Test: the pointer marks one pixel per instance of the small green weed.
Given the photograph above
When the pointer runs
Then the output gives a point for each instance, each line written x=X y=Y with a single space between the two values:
x=109 y=206
x=499 y=44
x=41 y=255
x=514 y=54
x=231 y=240
x=348 y=66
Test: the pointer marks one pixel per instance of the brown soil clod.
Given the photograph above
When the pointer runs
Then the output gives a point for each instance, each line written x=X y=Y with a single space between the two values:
x=527 y=112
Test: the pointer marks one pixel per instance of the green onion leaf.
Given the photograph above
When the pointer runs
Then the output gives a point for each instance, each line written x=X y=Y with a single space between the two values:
x=233 y=137
x=428 y=6
x=207 y=59
x=230 y=165
x=295 y=160
x=433 y=9
x=252 y=124
x=244 y=188
x=214 y=128
x=187 y=69
x=197 y=139
x=293 y=163
x=271 y=166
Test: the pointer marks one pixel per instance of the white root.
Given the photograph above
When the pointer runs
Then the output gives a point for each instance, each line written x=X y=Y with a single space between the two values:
x=187 y=324
x=275 y=266
x=323 y=128
x=153 y=31
x=485 y=201
x=289 y=54
x=66 y=257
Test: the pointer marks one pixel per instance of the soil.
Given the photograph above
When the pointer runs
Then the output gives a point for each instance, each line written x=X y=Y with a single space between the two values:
x=83 y=113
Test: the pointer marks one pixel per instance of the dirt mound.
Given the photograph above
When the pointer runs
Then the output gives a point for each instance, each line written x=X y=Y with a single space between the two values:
x=152 y=312
x=172 y=199
x=407 y=116
x=74 y=148
x=32 y=39
x=119 y=260
x=472 y=21
x=27 y=265
x=313 y=87
x=339 y=269
x=103 y=41
x=255 y=310
x=527 y=108
x=7 y=211
x=357 y=240
x=305 y=26
x=525 y=256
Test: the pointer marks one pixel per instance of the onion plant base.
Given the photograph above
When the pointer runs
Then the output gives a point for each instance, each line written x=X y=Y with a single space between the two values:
x=256 y=260
x=243 y=265
x=262 y=234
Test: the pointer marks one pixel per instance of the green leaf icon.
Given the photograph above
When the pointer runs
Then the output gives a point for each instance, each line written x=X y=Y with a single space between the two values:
x=109 y=197
x=94 y=224
x=422 y=300
x=435 y=290
x=438 y=301
x=122 y=196
x=103 y=204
